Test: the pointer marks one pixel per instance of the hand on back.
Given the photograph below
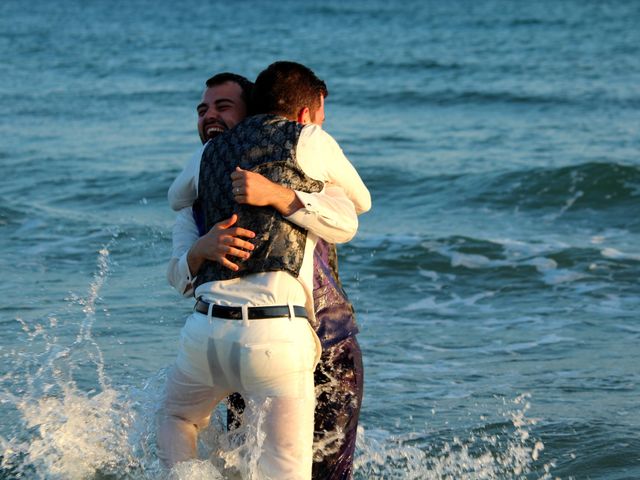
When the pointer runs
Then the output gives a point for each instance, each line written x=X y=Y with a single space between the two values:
x=222 y=241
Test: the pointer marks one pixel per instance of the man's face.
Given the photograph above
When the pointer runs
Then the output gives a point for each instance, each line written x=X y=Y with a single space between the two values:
x=222 y=107
x=317 y=117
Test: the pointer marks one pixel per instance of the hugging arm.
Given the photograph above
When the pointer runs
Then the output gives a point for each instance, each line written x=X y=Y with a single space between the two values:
x=328 y=214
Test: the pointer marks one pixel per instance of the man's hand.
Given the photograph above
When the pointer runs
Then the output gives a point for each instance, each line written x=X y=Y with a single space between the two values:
x=221 y=241
x=254 y=189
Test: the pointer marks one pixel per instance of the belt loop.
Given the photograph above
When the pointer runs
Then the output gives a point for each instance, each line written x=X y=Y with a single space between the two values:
x=292 y=312
x=245 y=315
x=209 y=310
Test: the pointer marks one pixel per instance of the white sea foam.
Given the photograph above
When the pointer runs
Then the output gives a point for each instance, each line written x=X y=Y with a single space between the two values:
x=551 y=274
x=452 y=306
x=475 y=261
x=512 y=453
x=431 y=275
x=558 y=276
x=618 y=255
x=519 y=249
x=195 y=470
x=77 y=435
x=542 y=264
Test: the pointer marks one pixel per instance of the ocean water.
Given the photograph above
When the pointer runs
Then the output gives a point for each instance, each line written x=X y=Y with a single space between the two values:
x=495 y=280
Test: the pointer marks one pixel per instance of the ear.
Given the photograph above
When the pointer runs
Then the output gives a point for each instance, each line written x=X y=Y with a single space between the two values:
x=304 y=116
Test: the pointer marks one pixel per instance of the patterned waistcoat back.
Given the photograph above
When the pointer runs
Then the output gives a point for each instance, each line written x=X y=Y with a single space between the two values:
x=265 y=144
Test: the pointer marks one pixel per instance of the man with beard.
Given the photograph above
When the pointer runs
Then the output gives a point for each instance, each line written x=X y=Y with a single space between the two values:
x=338 y=377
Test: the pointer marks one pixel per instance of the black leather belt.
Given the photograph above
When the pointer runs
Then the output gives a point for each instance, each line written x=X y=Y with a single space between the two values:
x=254 y=313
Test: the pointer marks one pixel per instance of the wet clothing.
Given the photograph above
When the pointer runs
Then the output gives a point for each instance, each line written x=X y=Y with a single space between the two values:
x=270 y=362
x=339 y=374
x=339 y=380
x=335 y=318
x=339 y=377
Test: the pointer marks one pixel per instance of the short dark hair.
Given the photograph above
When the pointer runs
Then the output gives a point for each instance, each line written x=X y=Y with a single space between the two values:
x=245 y=84
x=284 y=88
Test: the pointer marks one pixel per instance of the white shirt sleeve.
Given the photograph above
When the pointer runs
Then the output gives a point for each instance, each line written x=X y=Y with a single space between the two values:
x=184 y=189
x=185 y=233
x=328 y=214
x=320 y=156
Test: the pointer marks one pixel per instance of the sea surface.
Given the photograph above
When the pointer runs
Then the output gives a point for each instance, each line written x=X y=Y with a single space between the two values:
x=496 y=279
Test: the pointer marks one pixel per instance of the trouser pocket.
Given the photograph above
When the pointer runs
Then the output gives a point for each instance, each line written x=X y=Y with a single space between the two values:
x=278 y=369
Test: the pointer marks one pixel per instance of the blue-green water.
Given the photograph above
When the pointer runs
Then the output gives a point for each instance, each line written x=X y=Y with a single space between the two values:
x=495 y=280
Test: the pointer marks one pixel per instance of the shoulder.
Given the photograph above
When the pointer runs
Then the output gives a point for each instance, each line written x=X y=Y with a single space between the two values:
x=197 y=154
x=314 y=136
x=313 y=131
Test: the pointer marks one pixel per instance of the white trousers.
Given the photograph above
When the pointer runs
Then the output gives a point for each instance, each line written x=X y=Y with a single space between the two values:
x=267 y=361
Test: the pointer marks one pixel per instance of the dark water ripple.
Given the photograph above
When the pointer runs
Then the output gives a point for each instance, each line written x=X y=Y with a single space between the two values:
x=596 y=186
x=595 y=450
x=602 y=184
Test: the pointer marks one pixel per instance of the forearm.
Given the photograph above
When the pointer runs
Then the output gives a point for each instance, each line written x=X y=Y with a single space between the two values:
x=328 y=214
x=285 y=200
x=184 y=235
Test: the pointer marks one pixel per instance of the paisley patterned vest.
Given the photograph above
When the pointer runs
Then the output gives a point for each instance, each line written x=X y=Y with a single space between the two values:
x=265 y=144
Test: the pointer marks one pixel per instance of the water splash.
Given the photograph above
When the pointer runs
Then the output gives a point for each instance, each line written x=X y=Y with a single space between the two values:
x=494 y=452
x=63 y=431
x=231 y=454
x=195 y=470
x=76 y=435
x=509 y=453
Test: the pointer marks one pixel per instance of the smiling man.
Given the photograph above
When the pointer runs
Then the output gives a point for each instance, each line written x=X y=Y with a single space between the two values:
x=224 y=104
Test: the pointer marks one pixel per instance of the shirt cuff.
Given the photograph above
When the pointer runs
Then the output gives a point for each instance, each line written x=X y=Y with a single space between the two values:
x=310 y=204
x=183 y=268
